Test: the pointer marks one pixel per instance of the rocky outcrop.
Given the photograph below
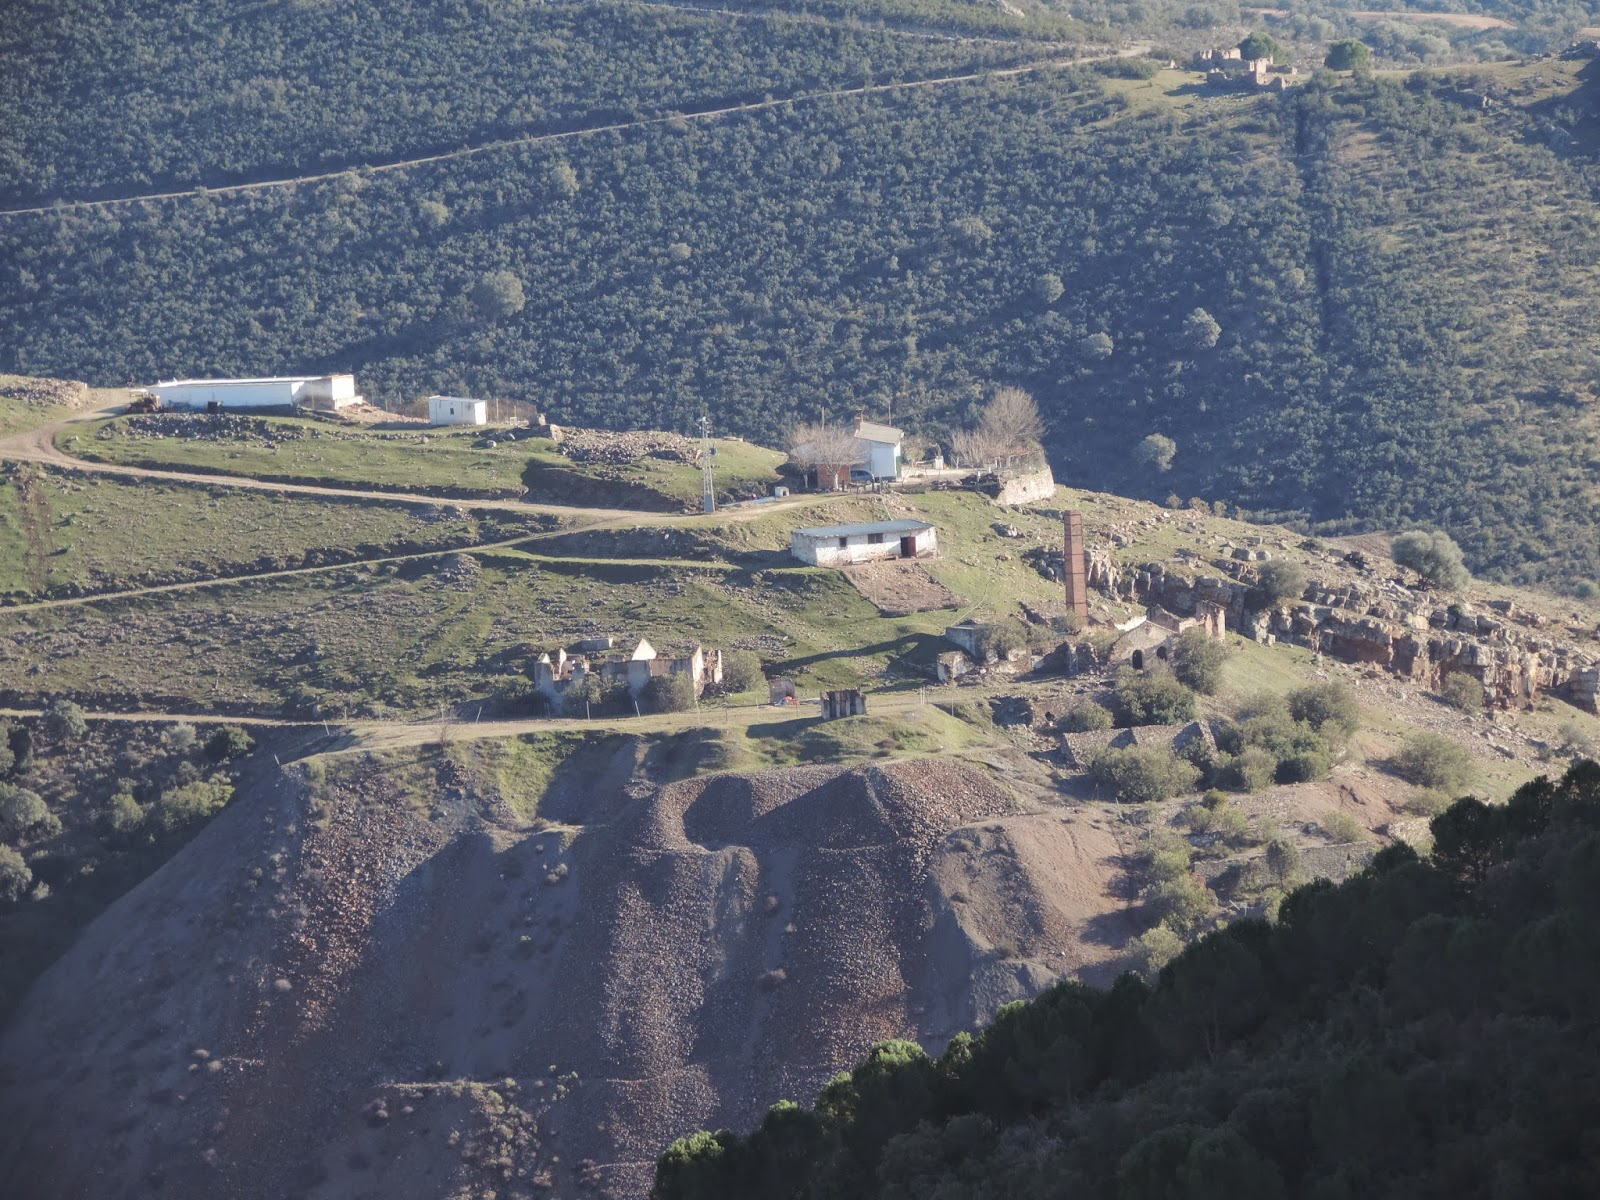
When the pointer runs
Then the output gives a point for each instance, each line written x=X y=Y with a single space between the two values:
x=1027 y=489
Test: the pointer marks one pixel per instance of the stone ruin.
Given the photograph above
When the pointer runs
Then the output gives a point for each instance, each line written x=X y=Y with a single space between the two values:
x=1385 y=625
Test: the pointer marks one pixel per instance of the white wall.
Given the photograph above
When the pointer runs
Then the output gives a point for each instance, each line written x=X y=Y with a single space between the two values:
x=826 y=552
x=883 y=459
x=453 y=410
x=264 y=393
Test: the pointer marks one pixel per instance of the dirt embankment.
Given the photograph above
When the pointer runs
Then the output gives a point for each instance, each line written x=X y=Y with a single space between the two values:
x=386 y=985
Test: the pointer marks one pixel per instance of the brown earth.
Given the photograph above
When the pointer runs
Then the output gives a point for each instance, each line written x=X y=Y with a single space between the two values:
x=387 y=984
x=898 y=588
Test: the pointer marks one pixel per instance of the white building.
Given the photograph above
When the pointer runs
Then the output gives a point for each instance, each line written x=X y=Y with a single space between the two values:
x=881 y=447
x=457 y=410
x=288 y=391
x=839 y=545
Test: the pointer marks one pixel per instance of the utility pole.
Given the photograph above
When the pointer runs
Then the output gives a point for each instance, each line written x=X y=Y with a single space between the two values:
x=708 y=458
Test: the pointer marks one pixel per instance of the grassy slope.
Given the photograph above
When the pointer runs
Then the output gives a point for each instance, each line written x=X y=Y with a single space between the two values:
x=327 y=453
x=104 y=533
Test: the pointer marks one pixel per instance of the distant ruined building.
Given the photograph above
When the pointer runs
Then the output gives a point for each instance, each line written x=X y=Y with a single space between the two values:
x=554 y=675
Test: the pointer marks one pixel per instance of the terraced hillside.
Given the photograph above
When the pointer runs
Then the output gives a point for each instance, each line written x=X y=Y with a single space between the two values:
x=1363 y=301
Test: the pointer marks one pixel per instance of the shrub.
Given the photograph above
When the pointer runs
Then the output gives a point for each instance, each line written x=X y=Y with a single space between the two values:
x=229 y=741
x=1085 y=717
x=23 y=811
x=1154 y=949
x=1348 y=55
x=1425 y=802
x=1341 y=828
x=1141 y=774
x=1279 y=582
x=1433 y=556
x=1577 y=738
x=1460 y=690
x=1329 y=708
x=1182 y=905
x=741 y=671
x=1156 y=698
x=1173 y=862
x=178 y=808
x=14 y=874
x=1248 y=771
x=1304 y=765
x=123 y=813
x=670 y=693
x=65 y=721
x=179 y=738
x=1434 y=762
x=1197 y=660
x=8 y=758
x=1004 y=639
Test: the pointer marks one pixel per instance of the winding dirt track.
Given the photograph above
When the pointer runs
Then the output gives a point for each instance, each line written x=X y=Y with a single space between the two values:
x=708 y=114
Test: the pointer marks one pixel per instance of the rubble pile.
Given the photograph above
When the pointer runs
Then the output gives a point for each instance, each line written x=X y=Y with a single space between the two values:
x=42 y=393
x=608 y=448
x=213 y=427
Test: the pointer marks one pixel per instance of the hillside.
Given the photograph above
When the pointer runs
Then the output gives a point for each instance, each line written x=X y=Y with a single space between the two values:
x=459 y=998
x=426 y=887
x=1396 y=275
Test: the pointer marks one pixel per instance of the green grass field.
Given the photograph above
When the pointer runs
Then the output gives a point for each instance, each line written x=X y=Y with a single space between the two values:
x=330 y=453
x=62 y=533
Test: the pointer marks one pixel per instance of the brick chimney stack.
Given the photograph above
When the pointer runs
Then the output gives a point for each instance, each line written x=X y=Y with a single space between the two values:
x=1075 y=568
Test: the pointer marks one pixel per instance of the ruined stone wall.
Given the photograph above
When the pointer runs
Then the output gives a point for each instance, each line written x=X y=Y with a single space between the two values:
x=1027 y=489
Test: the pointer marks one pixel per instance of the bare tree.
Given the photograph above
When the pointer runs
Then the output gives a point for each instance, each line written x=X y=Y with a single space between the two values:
x=830 y=450
x=1008 y=432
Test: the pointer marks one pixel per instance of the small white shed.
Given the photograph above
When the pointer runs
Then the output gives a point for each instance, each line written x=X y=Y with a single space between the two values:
x=457 y=410
x=840 y=545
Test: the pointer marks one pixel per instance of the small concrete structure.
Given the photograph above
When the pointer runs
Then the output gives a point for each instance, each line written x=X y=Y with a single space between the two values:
x=781 y=692
x=457 y=410
x=840 y=545
x=848 y=702
x=326 y=392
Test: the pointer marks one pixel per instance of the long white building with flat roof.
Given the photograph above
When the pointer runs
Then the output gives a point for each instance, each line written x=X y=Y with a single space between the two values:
x=287 y=391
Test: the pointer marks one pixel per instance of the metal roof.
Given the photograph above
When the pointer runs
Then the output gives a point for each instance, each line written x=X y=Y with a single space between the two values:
x=236 y=382
x=870 y=431
x=839 y=531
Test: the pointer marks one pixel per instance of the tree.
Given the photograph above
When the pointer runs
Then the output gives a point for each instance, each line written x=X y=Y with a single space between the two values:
x=1283 y=861
x=1009 y=431
x=229 y=741
x=14 y=874
x=829 y=450
x=65 y=721
x=1329 y=708
x=1049 y=288
x=1259 y=45
x=670 y=693
x=1157 y=451
x=1197 y=660
x=1348 y=55
x=1280 y=581
x=741 y=671
x=1200 y=330
x=23 y=811
x=1434 y=556
x=498 y=294
x=1097 y=347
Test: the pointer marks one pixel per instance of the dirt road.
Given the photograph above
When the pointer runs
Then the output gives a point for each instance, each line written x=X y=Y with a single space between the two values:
x=39 y=445
x=708 y=114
